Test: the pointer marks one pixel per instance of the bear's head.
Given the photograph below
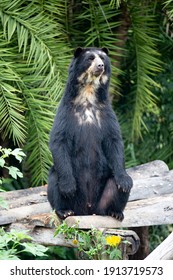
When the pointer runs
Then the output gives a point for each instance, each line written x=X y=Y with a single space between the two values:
x=91 y=65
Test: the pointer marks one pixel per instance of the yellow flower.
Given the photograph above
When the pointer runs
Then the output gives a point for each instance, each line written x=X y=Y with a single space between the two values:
x=113 y=240
x=75 y=241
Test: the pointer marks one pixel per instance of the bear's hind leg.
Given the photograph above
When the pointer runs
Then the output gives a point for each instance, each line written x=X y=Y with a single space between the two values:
x=113 y=201
x=62 y=205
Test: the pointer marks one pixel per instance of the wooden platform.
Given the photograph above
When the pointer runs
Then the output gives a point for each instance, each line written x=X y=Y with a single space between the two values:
x=150 y=203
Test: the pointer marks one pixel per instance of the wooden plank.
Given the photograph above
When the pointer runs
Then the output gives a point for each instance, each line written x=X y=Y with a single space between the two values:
x=45 y=236
x=23 y=193
x=24 y=197
x=143 y=188
x=153 y=211
x=24 y=203
x=164 y=251
x=16 y=214
x=154 y=168
x=151 y=187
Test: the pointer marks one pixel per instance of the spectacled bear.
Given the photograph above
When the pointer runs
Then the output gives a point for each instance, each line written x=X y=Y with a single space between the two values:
x=88 y=174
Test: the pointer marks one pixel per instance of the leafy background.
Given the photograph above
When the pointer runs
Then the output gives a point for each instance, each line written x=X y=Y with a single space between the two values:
x=37 y=39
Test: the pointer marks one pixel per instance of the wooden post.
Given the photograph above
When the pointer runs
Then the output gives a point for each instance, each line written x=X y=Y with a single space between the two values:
x=164 y=251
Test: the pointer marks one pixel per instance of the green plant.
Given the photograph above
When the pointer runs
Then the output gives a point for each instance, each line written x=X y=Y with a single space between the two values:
x=6 y=153
x=92 y=244
x=12 y=245
x=33 y=54
x=14 y=172
x=36 y=41
x=157 y=234
x=61 y=253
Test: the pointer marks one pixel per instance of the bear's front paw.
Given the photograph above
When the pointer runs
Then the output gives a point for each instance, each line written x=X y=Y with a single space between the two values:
x=124 y=182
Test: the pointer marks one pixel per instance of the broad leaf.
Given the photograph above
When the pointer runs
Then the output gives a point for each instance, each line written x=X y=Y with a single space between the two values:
x=14 y=172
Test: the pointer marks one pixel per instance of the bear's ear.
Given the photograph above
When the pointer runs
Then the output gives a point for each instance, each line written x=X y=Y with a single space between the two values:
x=105 y=50
x=78 y=51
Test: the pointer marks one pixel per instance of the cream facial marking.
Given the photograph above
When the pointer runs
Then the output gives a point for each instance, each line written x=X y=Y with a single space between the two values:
x=94 y=72
x=104 y=79
x=89 y=82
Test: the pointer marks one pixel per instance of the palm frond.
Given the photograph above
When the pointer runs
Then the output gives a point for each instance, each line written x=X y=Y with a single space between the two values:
x=41 y=105
x=12 y=121
x=39 y=126
x=116 y=3
x=168 y=5
x=96 y=24
x=39 y=54
x=33 y=31
x=146 y=64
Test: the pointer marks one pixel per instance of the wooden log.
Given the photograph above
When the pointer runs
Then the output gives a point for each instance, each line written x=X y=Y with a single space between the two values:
x=24 y=203
x=42 y=235
x=143 y=251
x=151 y=187
x=146 y=184
x=45 y=236
x=25 y=197
x=153 y=211
x=143 y=188
x=144 y=212
x=36 y=195
x=154 y=168
x=160 y=211
x=164 y=251
x=15 y=214
x=23 y=193
x=158 y=185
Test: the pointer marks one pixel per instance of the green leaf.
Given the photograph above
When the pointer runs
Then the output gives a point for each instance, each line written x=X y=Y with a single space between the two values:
x=116 y=254
x=8 y=254
x=2 y=162
x=18 y=153
x=7 y=152
x=146 y=64
x=14 y=172
x=19 y=235
x=34 y=58
x=35 y=249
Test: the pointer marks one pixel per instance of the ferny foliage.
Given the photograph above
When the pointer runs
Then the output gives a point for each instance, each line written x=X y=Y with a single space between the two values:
x=37 y=39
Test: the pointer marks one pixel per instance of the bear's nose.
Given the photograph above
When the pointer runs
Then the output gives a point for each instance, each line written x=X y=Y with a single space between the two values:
x=100 y=66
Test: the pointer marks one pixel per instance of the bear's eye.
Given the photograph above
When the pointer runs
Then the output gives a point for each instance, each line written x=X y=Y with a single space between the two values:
x=102 y=57
x=91 y=57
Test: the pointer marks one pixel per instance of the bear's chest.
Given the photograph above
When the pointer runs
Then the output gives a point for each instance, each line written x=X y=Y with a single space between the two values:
x=87 y=114
x=86 y=108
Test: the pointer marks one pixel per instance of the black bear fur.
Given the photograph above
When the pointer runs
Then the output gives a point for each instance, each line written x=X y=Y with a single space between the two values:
x=88 y=174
